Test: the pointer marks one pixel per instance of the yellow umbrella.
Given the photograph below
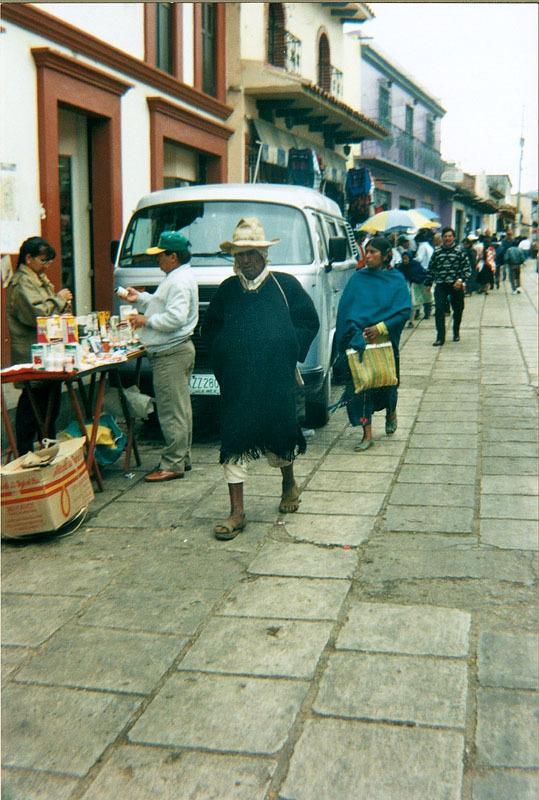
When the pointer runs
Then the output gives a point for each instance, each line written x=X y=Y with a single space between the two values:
x=397 y=220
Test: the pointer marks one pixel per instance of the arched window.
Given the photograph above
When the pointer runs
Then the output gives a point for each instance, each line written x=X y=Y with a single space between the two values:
x=276 y=35
x=324 y=65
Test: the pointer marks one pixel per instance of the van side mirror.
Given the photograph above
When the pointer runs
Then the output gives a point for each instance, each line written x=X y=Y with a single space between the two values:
x=114 y=247
x=337 y=250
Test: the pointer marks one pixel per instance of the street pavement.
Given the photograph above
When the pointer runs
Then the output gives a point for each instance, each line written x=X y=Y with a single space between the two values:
x=379 y=644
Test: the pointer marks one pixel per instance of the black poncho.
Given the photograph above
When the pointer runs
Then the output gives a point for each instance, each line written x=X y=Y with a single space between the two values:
x=255 y=342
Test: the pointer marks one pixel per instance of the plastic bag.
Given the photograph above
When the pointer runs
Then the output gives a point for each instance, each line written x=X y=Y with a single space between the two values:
x=110 y=440
x=140 y=405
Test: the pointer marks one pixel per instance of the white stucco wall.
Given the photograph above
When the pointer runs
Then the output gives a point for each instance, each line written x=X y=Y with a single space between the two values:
x=18 y=133
x=119 y=24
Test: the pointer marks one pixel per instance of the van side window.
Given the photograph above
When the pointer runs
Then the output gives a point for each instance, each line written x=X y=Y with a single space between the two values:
x=321 y=240
x=342 y=231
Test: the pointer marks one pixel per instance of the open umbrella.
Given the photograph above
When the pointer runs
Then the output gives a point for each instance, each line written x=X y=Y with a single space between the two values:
x=428 y=213
x=396 y=220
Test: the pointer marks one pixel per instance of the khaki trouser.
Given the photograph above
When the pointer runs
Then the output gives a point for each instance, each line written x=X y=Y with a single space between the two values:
x=172 y=369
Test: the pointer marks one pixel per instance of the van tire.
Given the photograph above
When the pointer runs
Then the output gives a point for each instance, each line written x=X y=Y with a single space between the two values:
x=317 y=409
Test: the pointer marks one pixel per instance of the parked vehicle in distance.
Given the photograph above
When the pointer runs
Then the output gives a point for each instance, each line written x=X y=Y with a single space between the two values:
x=316 y=246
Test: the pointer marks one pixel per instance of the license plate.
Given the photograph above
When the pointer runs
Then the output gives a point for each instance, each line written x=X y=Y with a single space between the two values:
x=203 y=384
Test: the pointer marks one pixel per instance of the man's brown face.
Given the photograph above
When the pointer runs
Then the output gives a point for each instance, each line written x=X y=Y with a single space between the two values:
x=167 y=261
x=251 y=263
x=448 y=239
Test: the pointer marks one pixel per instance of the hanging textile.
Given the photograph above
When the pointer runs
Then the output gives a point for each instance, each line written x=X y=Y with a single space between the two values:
x=300 y=171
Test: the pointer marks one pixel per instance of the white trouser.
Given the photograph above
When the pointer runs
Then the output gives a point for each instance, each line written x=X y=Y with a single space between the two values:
x=237 y=473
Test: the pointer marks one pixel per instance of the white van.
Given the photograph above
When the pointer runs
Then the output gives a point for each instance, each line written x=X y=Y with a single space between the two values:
x=317 y=247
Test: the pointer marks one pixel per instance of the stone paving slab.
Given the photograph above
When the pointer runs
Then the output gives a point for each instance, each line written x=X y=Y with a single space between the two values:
x=441 y=494
x=507 y=507
x=330 y=529
x=333 y=481
x=197 y=532
x=357 y=504
x=437 y=473
x=431 y=518
x=265 y=647
x=110 y=660
x=411 y=689
x=518 y=450
x=510 y=435
x=509 y=466
x=507 y=729
x=287 y=598
x=435 y=427
x=144 y=773
x=296 y=560
x=160 y=570
x=135 y=514
x=509 y=534
x=344 y=760
x=12 y=658
x=165 y=611
x=18 y=784
x=27 y=620
x=361 y=462
x=409 y=630
x=461 y=441
x=60 y=730
x=499 y=784
x=223 y=713
x=453 y=562
x=442 y=455
x=508 y=661
x=62 y=574
x=515 y=485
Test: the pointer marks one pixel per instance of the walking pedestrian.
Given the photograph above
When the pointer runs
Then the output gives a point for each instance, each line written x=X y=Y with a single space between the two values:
x=31 y=295
x=514 y=258
x=423 y=254
x=373 y=308
x=415 y=277
x=165 y=328
x=449 y=269
x=258 y=325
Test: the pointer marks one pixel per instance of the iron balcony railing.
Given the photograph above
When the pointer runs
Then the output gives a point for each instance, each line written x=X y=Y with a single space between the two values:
x=284 y=50
x=405 y=150
x=330 y=79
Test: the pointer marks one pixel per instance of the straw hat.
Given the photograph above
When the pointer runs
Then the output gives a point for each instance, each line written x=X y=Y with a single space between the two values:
x=248 y=234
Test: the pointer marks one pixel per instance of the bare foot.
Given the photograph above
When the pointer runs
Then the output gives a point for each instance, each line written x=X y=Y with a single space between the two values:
x=289 y=500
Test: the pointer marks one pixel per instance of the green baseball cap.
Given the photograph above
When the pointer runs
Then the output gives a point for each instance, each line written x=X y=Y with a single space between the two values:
x=170 y=240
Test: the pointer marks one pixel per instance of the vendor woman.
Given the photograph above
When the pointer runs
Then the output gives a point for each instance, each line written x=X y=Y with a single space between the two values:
x=31 y=295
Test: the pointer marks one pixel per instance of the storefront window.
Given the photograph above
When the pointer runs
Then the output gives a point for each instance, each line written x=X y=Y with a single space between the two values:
x=66 y=222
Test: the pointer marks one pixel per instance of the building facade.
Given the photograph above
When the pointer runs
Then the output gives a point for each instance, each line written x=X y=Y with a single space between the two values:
x=406 y=166
x=97 y=110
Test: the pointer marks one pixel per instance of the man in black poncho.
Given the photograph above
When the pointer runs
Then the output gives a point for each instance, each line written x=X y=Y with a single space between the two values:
x=258 y=325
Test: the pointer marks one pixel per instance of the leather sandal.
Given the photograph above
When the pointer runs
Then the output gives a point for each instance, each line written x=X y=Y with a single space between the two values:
x=364 y=445
x=228 y=529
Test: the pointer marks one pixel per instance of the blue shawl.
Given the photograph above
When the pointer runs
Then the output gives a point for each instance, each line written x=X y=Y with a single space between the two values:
x=372 y=296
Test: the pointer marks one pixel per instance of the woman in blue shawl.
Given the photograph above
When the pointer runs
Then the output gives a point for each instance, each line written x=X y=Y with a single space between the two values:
x=374 y=307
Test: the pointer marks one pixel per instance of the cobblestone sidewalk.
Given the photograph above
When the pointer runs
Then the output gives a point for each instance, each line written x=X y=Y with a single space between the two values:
x=379 y=644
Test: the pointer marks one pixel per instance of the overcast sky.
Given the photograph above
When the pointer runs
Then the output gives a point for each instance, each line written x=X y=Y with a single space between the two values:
x=480 y=61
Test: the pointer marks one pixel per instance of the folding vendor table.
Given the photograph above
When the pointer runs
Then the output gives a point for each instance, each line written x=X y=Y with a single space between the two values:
x=92 y=402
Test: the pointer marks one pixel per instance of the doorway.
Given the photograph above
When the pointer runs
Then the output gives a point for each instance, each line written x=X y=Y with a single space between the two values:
x=75 y=208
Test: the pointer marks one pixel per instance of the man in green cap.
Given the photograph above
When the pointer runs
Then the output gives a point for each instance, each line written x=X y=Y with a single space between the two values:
x=166 y=321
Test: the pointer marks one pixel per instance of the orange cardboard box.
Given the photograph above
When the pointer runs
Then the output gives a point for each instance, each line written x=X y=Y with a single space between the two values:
x=43 y=499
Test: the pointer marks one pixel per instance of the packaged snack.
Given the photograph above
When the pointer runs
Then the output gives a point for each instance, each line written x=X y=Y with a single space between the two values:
x=39 y=352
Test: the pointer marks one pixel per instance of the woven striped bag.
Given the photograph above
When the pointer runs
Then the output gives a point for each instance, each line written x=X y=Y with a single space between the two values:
x=375 y=370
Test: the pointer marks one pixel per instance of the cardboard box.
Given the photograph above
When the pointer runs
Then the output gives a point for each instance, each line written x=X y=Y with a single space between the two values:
x=43 y=499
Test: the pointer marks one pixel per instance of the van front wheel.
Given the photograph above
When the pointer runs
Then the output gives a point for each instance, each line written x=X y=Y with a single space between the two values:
x=316 y=408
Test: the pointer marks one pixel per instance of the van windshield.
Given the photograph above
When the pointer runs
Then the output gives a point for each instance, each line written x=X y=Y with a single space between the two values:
x=207 y=224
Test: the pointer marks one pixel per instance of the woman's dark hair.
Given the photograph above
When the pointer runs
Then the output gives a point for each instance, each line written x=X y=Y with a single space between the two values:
x=423 y=235
x=383 y=245
x=35 y=246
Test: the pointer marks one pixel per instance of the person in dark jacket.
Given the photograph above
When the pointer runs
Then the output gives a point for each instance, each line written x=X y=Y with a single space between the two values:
x=31 y=295
x=258 y=325
x=449 y=269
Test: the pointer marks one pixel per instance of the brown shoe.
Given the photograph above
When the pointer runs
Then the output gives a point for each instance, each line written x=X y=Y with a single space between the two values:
x=162 y=475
